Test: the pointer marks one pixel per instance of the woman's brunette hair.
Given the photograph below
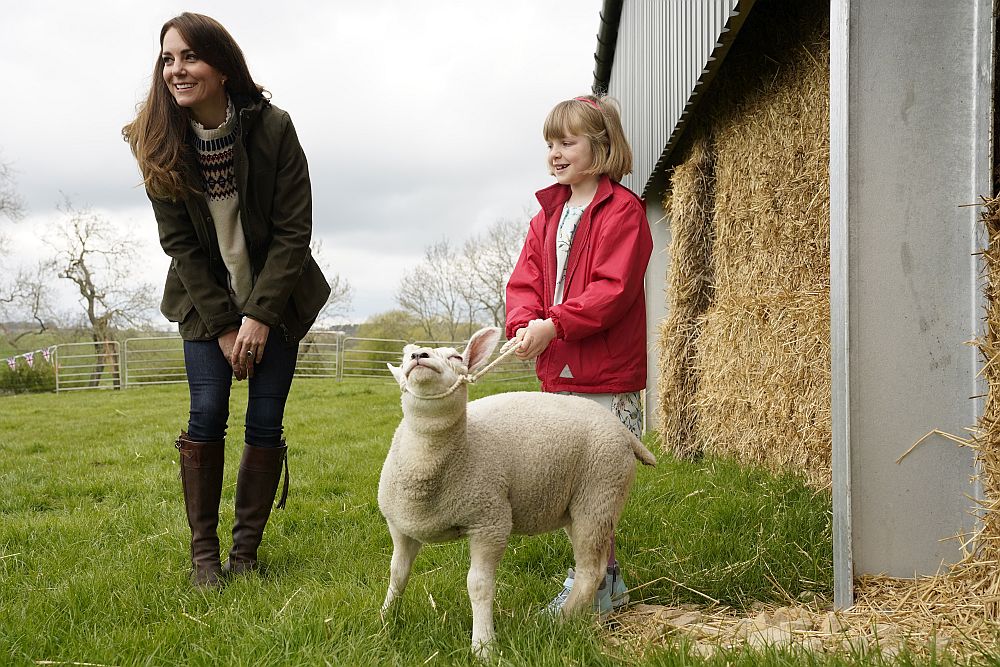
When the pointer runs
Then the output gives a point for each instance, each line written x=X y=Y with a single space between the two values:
x=597 y=118
x=158 y=134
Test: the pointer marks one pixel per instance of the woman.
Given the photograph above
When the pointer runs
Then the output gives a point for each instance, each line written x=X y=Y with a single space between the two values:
x=230 y=190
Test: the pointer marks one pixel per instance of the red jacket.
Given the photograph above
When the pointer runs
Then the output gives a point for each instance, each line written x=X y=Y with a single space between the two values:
x=600 y=343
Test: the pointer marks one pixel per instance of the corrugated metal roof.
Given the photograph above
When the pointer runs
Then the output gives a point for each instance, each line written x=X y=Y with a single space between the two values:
x=666 y=53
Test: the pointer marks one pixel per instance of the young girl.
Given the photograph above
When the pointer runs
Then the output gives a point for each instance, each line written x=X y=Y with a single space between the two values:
x=230 y=190
x=575 y=299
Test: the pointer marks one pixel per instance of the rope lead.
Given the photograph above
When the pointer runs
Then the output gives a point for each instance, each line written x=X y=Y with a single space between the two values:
x=508 y=348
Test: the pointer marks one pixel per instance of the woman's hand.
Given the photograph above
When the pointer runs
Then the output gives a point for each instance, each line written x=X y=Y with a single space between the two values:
x=534 y=338
x=226 y=341
x=248 y=347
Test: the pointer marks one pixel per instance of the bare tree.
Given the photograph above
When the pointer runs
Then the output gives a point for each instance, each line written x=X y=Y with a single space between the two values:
x=490 y=259
x=28 y=298
x=341 y=297
x=391 y=324
x=341 y=291
x=445 y=273
x=96 y=257
x=467 y=287
x=22 y=291
x=11 y=204
x=414 y=297
x=11 y=208
x=433 y=291
x=449 y=289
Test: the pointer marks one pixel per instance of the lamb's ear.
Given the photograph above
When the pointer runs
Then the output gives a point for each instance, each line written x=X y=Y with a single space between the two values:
x=481 y=347
x=398 y=374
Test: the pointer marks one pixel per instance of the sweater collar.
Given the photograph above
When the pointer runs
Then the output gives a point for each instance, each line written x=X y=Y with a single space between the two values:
x=218 y=132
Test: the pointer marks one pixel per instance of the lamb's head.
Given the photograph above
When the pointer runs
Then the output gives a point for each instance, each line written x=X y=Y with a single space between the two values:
x=427 y=372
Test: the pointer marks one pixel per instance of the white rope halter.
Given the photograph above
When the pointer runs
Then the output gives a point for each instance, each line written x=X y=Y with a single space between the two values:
x=508 y=348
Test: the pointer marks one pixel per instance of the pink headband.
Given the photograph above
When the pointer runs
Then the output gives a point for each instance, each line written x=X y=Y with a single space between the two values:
x=587 y=100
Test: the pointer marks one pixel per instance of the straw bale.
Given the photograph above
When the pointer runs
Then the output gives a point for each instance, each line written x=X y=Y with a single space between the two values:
x=762 y=359
x=987 y=438
x=760 y=366
x=689 y=292
x=772 y=203
x=955 y=613
x=690 y=228
x=763 y=392
x=744 y=350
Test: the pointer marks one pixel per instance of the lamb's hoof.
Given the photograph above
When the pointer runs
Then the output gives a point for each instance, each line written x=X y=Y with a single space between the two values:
x=483 y=650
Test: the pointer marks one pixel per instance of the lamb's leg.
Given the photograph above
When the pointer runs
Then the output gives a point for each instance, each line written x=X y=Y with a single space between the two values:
x=591 y=540
x=486 y=552
x=404 y=550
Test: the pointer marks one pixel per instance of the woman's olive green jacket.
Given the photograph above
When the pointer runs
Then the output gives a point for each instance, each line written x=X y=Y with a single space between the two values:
x=272 y=179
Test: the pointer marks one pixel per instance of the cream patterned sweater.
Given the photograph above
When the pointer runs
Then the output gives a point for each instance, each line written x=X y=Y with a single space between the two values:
x=215 y=160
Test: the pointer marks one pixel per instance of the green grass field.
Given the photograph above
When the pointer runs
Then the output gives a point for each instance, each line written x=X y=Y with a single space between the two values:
x=94 y=560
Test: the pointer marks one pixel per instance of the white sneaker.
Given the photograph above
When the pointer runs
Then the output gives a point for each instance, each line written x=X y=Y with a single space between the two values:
x=619 y=591
x=611 y=596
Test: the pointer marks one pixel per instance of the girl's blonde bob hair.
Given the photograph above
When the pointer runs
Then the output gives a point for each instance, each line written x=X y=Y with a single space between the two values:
x=597 y=118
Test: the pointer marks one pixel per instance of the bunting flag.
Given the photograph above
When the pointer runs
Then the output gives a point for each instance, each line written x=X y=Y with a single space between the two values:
x=29 y=357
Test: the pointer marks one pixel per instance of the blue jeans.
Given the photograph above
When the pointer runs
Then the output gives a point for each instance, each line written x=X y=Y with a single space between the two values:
x=210 y=378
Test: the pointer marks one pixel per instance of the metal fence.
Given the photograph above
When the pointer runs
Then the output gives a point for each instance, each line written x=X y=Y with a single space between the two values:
x=320 y=355
x=367 y=357
x=91 y=365
x=156 y=360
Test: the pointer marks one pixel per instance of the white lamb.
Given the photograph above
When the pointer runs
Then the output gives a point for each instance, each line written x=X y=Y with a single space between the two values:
x=520 y=462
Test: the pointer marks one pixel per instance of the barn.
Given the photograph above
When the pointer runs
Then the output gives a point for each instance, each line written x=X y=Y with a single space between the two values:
x=820 y=297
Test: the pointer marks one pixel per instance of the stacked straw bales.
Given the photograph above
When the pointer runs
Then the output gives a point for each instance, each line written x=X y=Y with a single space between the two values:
x=753 y=345
x=987 y=441
x=745 y=357
x=689 y=292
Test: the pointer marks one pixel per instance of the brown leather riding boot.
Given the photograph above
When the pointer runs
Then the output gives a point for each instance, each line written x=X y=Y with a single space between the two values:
x=201 y=479
x=256 y=485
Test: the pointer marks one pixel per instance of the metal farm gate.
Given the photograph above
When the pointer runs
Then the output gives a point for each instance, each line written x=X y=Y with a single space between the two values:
x=158 y=360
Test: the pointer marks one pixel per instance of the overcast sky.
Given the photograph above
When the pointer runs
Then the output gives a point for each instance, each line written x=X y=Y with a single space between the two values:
x=420 y=119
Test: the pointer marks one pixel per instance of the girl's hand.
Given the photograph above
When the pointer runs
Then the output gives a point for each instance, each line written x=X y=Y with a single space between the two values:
x=248 y=348
x=534 y=338
x=226 y=341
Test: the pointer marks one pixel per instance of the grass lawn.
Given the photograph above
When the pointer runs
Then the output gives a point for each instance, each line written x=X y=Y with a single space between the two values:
x=94 y=546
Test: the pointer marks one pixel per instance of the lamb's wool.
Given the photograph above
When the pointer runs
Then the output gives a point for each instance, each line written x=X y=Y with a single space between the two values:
x=520 y=462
